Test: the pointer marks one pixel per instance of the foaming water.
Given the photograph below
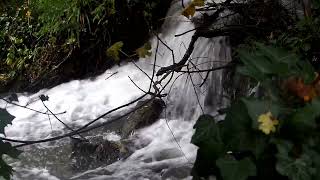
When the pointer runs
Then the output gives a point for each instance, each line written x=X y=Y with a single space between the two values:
x=166 y=151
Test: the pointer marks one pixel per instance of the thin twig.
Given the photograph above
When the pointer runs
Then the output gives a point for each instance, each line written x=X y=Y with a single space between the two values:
x=25 y=107
x=68 y=127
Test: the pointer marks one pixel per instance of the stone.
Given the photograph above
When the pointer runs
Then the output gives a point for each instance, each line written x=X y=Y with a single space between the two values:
x=143 y=117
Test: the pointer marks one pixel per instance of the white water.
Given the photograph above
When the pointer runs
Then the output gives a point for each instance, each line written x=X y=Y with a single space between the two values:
x=86 y=99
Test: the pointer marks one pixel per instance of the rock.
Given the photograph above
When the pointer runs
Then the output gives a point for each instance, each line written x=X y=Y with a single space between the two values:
x=143 y=117
x=86 y=154
x=93 y=153
x=170 y=153
x=176 y=173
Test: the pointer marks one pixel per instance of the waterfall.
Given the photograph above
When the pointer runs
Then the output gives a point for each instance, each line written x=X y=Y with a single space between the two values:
x=162 y=154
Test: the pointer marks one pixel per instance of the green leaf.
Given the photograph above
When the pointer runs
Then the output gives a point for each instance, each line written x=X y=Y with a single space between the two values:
x=5 y=119
x=265 y=61
x=232 y=169
x=6 y=148
x=113 y=51
x=5 y=169
x=238 y=134
x=207 y=137
x=305 y=118
x=295 y=168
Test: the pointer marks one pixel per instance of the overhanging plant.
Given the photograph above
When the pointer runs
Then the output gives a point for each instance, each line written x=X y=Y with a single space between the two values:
x=270 y=136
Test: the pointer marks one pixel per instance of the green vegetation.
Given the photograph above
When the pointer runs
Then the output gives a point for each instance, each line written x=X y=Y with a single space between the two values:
x=273 y=133
x=46 y=42
x=58 y=40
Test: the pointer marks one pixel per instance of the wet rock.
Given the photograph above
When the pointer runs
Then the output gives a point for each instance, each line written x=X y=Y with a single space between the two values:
x=176 y=173
x=167 y=154
x=93 y=153
x=86 y=154
x=143 y=117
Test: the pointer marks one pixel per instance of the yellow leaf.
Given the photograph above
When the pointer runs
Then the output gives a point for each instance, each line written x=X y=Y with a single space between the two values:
x=113 y=51
x=189 y=11
x=144 y=51
x=198 y=2
x=28 y=14
x=267 y=123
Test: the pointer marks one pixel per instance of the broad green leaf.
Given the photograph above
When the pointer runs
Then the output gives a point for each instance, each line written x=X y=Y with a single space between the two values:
x=114 y=50
x=144 y=51
x=6 y=148
x=232 y=169
x=207 y=136
x=5 y=119
x=295 y=168
x=243 y=138
x=266 y=61
x=257 y=107
x=305 y=118
x=5 y=170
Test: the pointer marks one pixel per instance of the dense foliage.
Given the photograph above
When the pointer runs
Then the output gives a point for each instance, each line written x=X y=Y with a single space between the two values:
x=46 y=42
x=63 y=39
x=273 y=132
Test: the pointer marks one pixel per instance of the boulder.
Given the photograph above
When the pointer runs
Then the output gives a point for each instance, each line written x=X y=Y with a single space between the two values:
x=93 y=153
x=142 y=117
x=86 y=154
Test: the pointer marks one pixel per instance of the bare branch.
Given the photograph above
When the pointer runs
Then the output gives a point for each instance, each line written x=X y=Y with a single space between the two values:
x=34 y=110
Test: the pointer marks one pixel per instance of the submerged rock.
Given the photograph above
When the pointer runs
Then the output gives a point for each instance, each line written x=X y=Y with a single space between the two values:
x=143 y=117
x=88 y=154
x=176 y=173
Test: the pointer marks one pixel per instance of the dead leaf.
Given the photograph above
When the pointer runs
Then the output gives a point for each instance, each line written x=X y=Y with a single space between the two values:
x=144 y=51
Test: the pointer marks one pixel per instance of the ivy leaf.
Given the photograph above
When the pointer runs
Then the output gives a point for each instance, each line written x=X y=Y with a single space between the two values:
x=243 y=137
x=5 y=119
x=207 y=136
x=144 y=51
x=113 y=51
x=5 y=169
x=7 y=149
x=295 y=168
x=232 y=169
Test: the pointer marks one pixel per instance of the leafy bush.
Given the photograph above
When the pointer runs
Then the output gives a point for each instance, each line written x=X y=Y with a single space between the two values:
x=43 y=38
x=272 y=134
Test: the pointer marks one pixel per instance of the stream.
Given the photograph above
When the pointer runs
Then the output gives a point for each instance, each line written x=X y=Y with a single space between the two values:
x=163 y=149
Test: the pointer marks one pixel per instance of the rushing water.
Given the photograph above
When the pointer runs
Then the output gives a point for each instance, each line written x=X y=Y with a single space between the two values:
x=161 y=157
